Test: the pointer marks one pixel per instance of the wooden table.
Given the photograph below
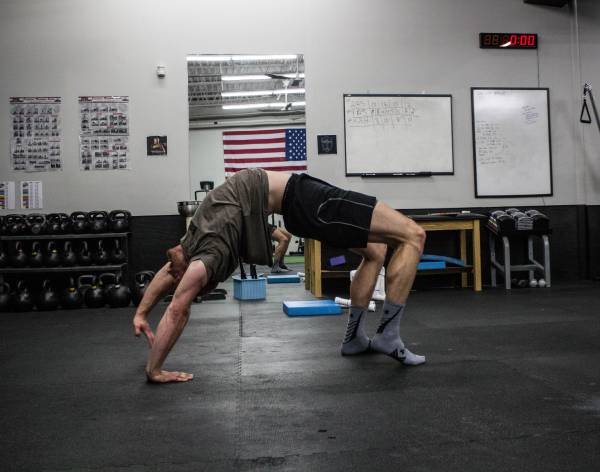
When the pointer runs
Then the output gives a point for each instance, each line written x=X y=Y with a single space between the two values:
x=314 y=273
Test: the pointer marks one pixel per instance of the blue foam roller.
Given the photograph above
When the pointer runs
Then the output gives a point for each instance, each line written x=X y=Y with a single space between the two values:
x=311 y=308
x=283 y=279
x=450 y=260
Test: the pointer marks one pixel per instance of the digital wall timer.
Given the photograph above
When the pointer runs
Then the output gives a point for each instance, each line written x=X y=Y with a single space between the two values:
x=508 y=41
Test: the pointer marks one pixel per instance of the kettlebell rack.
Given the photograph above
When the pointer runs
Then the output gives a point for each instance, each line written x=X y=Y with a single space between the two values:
x=115 y=268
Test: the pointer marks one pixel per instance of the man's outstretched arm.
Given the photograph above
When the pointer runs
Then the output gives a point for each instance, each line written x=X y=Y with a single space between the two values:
x=173 y=322
x=160 y=285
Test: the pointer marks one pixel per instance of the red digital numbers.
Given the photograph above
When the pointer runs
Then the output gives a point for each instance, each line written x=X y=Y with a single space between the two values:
x=507 y=40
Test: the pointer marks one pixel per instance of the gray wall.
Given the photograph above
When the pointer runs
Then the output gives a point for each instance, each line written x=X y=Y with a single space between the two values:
x=85 y=47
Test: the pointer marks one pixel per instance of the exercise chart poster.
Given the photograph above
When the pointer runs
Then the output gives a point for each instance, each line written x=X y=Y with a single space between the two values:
x=35 y=134
x=104 y=133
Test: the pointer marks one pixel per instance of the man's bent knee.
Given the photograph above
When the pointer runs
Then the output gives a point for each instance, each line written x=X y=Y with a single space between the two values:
x=418 y=237
x=178 y=311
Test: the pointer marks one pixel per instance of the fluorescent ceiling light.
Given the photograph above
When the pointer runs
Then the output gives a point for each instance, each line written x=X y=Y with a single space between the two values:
x=226 y=78
x=259 y=93
x=261 y=105
x=240 y=57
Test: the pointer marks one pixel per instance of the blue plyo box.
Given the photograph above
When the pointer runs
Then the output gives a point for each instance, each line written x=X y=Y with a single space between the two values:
x=249 y=289
x=283 y=279
x=311 y=308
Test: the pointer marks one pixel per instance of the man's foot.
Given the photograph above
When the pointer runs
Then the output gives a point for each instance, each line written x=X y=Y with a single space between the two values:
x=356 y=341
x=396 y=350
x=165 y=377
x=279 y=270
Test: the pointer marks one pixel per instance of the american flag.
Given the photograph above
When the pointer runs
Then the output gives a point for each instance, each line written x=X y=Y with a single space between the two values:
x=270 y=149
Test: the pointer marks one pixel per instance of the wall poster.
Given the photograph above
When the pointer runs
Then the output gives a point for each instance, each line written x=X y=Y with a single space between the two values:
x=36 y=134
x=104 y=133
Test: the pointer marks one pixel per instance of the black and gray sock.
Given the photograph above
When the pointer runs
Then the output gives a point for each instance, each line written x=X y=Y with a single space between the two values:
x=356 y=340
x=387 y=339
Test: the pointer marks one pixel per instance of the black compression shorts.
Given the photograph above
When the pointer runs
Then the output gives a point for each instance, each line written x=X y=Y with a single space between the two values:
x=314 y=209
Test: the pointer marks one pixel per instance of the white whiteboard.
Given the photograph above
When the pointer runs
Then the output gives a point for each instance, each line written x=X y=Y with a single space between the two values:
x=398 y=134
x=511 y=142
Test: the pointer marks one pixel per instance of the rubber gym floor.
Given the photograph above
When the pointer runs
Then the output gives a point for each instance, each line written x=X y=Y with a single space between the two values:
x=511 y=384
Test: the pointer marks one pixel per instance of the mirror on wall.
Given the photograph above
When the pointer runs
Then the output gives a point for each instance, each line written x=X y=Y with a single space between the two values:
x=233 y=93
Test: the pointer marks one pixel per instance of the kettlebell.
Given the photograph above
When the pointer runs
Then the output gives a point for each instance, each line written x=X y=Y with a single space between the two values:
x=65 y=223
x=117 y=255
x=3 y=257
x=71 y=297
x=100 y=256
x=119 y=220
x=119 y=295
x=84 y=256
x=4 y=297
x=19 y=258
x=3 y=228
x=36 y=258
x=94 y=295
x=107 y=280
x=141 y=281
x=15 y=224
x=52 y=258
x=53 y=223
x=48 y=297
x=69 y=258
x=36 y=223
x=22 y=300
x=98 y=221
x=84 y=282
x=79 y=222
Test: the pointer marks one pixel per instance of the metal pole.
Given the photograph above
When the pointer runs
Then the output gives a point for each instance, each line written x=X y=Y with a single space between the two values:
x=587 y=89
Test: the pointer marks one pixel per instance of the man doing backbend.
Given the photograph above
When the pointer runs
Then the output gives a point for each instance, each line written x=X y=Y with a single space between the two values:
x=218 y=237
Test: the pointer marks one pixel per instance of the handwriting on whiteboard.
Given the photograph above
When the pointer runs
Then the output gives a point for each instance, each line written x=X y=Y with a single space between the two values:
x=382 y=113
x=529 y=114
x=492 y=147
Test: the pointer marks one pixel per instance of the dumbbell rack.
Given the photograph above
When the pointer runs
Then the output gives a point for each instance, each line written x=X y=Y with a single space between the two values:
x=506 y=268
x=114 y=268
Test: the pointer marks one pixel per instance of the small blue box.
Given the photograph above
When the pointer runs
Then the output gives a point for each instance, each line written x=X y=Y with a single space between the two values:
x=249 y=289
x=283 y=279
x=311 y=308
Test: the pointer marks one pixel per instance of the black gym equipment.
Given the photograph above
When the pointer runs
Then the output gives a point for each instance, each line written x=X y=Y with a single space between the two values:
x=68 y=257
x=71 y=297
x=15 y=224
x=585 y=112
x=47 y=298
x=118 y=220
x=3 y=228
x=117 y=294
x=98 y=221
x=117 y=255
x=4 y=297
x=79 y=222
x=141 y=281
x=3 y=257
x=93 y=295
x=18 y=258
x=36 y=258
x=51 y=258
x=22 y=299
x=84 y=256
x=36 y=223
x=100 y=256
x=53 y=223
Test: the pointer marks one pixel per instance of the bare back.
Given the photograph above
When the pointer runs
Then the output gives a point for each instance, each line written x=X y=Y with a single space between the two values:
x=277 y=183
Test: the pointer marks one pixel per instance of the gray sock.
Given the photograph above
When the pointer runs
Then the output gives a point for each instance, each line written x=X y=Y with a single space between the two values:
x=356 y=340
x=387 y=339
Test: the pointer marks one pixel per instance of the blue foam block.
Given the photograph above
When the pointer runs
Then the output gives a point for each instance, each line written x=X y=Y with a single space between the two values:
x=450 y=260
x=431 y=265
x=311 y=308
x=283 y=279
